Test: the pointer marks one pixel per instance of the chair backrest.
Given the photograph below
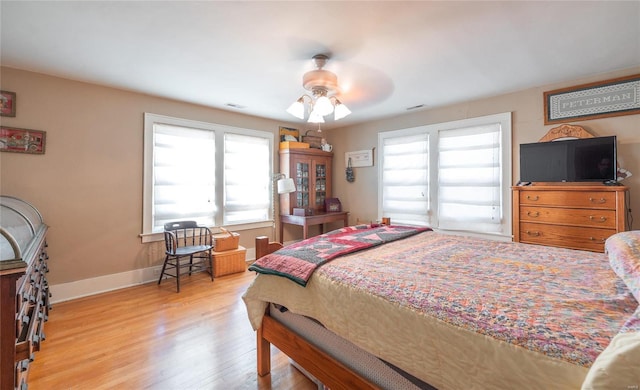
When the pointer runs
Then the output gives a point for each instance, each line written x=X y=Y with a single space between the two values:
x=183 y=234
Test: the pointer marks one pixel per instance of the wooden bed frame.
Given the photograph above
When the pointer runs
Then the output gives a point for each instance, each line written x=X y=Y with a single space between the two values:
x=325 y=368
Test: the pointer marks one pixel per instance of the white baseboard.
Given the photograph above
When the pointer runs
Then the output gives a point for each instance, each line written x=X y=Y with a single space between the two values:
x=92 y=286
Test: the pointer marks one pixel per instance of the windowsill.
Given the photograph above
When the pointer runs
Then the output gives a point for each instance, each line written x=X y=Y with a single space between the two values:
x=159 y=236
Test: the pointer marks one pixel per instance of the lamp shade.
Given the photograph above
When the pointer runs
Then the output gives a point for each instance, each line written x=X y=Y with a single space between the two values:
x=297 y=109
x=286 y=186
x=314 y=117
x=323 y=106
x=340 y=111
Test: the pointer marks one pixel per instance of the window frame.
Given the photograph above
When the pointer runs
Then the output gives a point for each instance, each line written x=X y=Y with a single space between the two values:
x=433 y=130
x=148 y=235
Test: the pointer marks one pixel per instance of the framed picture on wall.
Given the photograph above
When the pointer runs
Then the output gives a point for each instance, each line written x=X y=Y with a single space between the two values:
x=13 y=139
x=7 y=103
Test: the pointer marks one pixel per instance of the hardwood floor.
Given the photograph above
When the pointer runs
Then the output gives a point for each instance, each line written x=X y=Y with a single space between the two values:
x=151 y=337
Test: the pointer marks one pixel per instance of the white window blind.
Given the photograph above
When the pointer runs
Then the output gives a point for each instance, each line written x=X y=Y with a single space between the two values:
x=450 y=176
x=214 y=174
x=469 y=179
x=247 y=179
x=183 y=186
x=405 y=180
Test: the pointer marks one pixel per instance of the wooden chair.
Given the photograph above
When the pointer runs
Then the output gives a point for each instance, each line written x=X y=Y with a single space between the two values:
x=184 y=239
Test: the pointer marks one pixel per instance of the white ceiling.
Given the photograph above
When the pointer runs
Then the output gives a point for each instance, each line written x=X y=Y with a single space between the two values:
x=388 y=55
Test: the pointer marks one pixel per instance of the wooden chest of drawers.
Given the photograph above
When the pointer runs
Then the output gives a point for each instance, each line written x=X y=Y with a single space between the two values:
x=24 y=291
x=571 y=216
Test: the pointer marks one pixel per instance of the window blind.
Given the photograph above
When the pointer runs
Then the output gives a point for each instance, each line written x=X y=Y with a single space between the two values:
x=450 y=176
x=247 y=179
x=183 y=183
x=469 y=179
x=405 y=179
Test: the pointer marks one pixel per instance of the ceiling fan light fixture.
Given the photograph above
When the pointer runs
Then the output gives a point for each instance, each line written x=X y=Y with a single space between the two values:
x=322 y=84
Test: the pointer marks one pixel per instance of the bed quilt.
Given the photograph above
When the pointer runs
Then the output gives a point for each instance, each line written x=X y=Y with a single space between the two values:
x=474 y=311
x=298 y=261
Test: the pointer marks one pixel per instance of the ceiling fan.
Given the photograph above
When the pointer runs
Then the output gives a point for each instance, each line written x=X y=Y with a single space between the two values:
x=323 y=86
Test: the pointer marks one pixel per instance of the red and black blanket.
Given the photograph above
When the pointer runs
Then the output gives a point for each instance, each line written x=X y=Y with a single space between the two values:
x=298 y=261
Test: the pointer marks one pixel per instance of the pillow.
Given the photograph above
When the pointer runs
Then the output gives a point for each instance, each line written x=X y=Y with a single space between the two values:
x=624 y=257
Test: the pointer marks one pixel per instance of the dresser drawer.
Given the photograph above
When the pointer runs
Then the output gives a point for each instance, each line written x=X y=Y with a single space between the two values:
x=590 y=199
x=577 y=217
x=584 y=238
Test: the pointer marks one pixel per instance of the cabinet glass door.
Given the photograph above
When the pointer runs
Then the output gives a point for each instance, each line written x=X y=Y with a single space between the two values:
x=320 y=186
x=302 y=184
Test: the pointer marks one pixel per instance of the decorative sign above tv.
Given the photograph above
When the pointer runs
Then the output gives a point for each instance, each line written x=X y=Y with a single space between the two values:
x=576 y=160
x=620 y=96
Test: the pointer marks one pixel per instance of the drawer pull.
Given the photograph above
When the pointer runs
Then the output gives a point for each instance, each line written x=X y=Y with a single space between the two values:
x=534 y=234
x=601 y=219
x=534 y=198
x=595 y=239
x=533 y=213
x=599 y=201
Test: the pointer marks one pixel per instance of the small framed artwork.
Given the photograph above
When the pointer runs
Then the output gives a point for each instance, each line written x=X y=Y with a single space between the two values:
x=7 y=103
x=332 y=205
x=359 y=158
x=13 y=139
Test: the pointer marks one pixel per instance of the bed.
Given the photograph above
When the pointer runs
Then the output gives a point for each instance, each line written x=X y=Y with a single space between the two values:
x=458 y=312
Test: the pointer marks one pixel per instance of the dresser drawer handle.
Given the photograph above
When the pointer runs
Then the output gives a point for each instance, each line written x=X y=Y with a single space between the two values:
x=601 y=219
x=534 y=234
x=595 y=239
x=533 y=213
x=599 y=201
x=534 y=198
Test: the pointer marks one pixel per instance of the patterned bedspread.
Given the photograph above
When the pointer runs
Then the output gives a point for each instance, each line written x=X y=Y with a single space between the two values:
x=298 y=261
x=566 y=304
x=474 y=311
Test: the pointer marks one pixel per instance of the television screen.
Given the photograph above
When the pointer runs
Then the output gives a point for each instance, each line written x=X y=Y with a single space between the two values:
x=575 y=160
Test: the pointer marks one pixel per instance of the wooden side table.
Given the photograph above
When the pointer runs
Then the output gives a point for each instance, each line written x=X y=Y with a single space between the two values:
x=310 y=220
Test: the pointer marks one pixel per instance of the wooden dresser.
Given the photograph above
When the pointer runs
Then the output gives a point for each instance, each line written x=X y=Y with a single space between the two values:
x=569 y=216
x=24 y=291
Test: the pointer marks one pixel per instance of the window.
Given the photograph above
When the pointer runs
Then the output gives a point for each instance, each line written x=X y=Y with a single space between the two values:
x=451 y=176
x=181 y=189
x=405 y=179
x=213 y=174
x=246 y=179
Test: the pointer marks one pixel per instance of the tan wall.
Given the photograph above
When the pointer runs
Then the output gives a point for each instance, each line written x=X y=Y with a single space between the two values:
x=88 y=184
x=360 y=197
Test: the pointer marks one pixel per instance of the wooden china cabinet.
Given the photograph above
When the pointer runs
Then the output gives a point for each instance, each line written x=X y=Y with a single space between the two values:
x=310 y=169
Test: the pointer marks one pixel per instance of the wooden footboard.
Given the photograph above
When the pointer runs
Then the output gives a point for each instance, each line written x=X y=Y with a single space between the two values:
x=329 y=371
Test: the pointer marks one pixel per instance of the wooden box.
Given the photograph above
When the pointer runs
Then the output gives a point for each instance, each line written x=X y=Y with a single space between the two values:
x=293 y=145
x=225 y=241
x=302 y=212
x=229 y=262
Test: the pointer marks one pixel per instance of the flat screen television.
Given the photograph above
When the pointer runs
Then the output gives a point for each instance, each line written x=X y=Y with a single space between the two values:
x=574 y=160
